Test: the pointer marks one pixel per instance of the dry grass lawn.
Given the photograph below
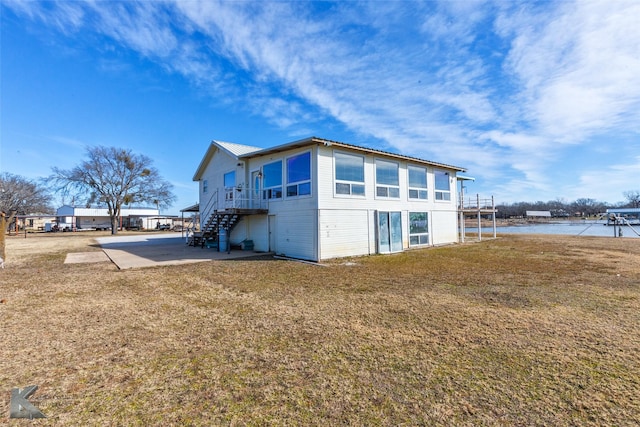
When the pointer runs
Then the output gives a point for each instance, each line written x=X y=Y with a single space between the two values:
x=522 y=330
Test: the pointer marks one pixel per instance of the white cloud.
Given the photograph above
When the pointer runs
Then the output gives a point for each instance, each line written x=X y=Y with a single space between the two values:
x=497 y=87
x=579 y=68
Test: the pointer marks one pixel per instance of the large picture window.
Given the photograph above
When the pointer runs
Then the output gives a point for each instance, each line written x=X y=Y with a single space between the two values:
x=418 y=228
x=417 y=183
x=272 y=180
x=387 y=181
x=443 y=186
x=299 y=175
x=349 y=174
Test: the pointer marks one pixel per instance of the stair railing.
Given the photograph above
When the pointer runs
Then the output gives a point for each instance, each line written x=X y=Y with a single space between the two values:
x=211 y=206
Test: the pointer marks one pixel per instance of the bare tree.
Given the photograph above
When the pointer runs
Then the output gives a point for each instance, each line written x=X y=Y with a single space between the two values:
x=114 y=177
x=633 y=197
x=588 y=207
x=21 y=196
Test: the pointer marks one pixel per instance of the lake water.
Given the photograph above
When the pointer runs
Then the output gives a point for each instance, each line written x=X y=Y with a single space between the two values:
x=584 y=228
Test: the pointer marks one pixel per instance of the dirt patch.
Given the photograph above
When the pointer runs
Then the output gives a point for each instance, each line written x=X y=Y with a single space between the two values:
x=522 y=330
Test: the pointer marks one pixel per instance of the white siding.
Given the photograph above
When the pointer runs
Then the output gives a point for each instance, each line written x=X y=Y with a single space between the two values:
x=296 y=218
x=104 y=212
x=220 y=164
x=258 y=231
x=345 y=233
x=296 y=234
x=239 y=232
x=442 y=214
x=325 y=225
x=443 y=227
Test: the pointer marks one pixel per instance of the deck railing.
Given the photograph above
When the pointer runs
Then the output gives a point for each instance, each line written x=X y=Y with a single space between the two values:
x=240 y=197
x=475 y=203
x=476 y=206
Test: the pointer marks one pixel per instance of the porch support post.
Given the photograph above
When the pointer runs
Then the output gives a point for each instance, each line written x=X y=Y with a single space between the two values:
x=479 y=218
x=493 y=209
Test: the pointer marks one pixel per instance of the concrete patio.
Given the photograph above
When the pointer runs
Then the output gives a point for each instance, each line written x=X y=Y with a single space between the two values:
x=161 y=249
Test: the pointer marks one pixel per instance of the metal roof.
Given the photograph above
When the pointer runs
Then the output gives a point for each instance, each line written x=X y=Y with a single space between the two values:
x=232 y=149
x=240 y=151
x=192 y=208
x=624 y=210
x=237 y=150
x=327 y=142
x=464 y=178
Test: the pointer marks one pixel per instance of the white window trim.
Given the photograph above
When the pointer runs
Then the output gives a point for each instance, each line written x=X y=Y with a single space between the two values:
x=285 y=187
x=443 y=192
x=409 y=187
x=375 y=174
x=266 y=189
x=229 y=190
x=349 y=183
x=428 y=233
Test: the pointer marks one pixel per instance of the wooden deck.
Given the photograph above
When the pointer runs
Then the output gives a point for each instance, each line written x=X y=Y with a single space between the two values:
x=240 y=211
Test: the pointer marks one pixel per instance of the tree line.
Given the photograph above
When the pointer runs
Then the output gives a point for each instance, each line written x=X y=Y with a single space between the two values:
x=113 y=177
x=560 y=208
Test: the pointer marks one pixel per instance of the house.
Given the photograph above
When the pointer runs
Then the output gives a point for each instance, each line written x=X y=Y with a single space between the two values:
x=317 y=199
x=33 y=222
x=81 y=218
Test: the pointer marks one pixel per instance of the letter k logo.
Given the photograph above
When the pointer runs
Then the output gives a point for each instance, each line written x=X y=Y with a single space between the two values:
x=20 y=407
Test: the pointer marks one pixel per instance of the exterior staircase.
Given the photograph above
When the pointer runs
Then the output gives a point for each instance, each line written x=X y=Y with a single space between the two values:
x=217 y=221
x=237 y=203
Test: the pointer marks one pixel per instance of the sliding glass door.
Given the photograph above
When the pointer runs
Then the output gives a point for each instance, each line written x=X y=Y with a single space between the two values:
x=389 y=232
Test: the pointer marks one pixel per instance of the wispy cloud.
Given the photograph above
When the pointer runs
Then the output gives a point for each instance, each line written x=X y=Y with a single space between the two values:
x=491 y=86
x=579 y=70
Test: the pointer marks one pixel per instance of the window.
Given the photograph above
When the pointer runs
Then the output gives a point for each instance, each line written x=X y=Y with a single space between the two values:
x=417 y=183
x=230 y=179
x=443 y=189
x=387 y=182
x=205 y=185
x=272 y=181
x=299 y=175
x=349 y=174
x=229 y=184
x=418 y=228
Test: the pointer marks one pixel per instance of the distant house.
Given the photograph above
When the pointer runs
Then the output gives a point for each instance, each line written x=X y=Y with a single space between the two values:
x=33 y=222
x=538 y=214
x=74 y=218
x=316 y=199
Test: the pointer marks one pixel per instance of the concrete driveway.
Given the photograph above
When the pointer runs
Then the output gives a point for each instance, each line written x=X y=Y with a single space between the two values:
x=160 y=249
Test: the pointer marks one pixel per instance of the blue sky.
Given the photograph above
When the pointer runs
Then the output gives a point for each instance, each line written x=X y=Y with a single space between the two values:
x=538 y=100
